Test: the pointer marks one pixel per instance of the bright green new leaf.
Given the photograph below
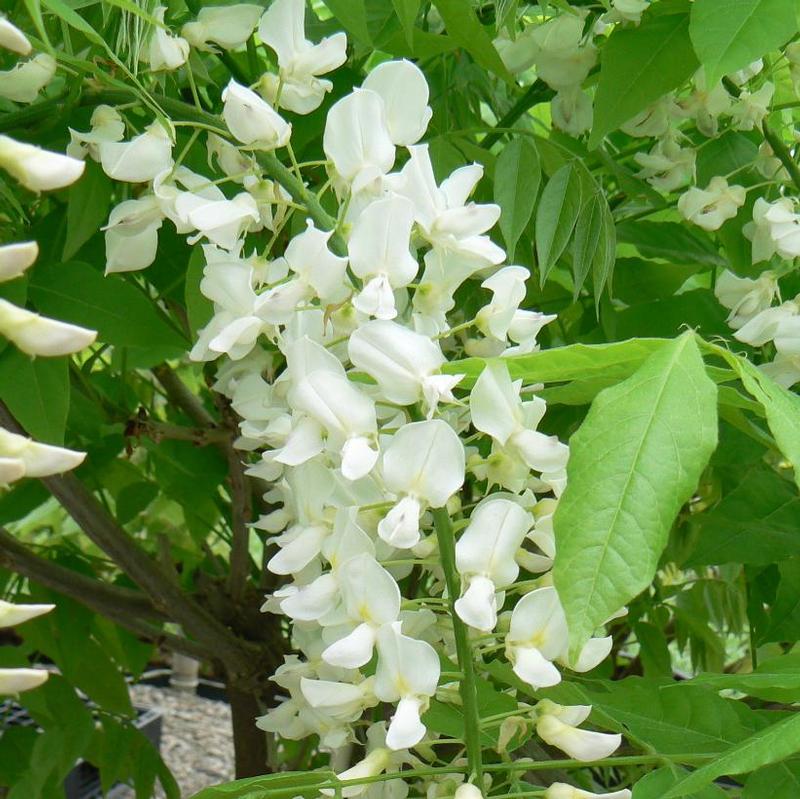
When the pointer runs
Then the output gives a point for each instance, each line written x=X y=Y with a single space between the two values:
x=640 y=64
x=730 y=34
x=616 y=360
x=779 y=741
x=517 y=175
x=556 y=217
x=781 y=781
x=284 y=784
x=634 y=462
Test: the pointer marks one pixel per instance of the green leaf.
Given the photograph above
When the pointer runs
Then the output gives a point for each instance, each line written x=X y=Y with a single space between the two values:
x=617 y=360
x=37 y=393
x=353 y=16
x=585 y=243
x=406 y=11
x=465 y=28
x=653 y=785
x=199 y=308
x=670 y=242
x=121 y=314
x=775 y=743
x=756 y=523
x=775 y=679
x=605 y=255
x=730 y=34
x=637 y=280
x=784 y=615
x=87 y=208
x=285 y=784
x=780 y=781
x=781 y=406
x=640 y=64
x=556 y=216
x=634 y=462
x=517 y=175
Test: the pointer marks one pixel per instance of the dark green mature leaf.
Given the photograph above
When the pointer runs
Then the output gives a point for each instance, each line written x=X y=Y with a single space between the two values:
x=353 y=16
x=758 y=522
x=37 y=393
x=775 y=743
x=87 y=208
x=617 y=360
x=670 y=242
x=121 y=314
x=604 y=258
x=776 y=679
x=464 y=27
x=671 y=718
x=556 y=216
x=517 y=175
x=585 y=243
x=406 y=11
x=634 y=462
x=730 y=34
x=727 y=153
x=637 y=280
x=640 y=64
x=784 y=615
x=286 y=784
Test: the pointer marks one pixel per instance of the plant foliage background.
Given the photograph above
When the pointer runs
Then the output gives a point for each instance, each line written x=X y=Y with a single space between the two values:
x=682 y=495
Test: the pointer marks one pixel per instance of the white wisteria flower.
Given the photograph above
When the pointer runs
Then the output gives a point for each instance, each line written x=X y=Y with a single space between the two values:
x=37 y=169
x=228 y=27
x=253 y=121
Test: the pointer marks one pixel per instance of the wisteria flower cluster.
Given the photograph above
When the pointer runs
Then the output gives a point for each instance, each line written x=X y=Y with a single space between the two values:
x=412 y=518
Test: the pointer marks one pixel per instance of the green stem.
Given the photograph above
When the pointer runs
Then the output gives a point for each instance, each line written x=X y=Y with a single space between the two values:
x=783 y=154
x=467 y=687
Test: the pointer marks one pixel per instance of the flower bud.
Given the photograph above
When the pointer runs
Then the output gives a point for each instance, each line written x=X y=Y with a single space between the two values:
x=38 y=335
x=12 y=38
x=16 y=258
x=166 y=51
x=14 y=681
x=37 y=169
x=11 y=614
x=253 y=121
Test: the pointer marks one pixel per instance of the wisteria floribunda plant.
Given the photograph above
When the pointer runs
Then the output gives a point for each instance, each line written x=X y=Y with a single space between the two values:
x=424 y=369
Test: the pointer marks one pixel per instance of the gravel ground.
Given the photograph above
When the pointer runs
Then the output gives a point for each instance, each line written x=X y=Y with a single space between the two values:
x=196 y=740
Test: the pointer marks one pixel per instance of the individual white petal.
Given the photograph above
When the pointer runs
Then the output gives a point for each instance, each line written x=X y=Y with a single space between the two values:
x=380 y=241
x=584 y=745
x=11 y=470
x=26 y=79
x=538 y=621
x=426 y=459
x=253 y=121
x=358 y=458
x=12 y=38
x=166 y=51
x=376 y=299
x=560 y=790
x=131 y=235
x=404 y=91
x=352 y=651
x=494 y=403
x=370 y=594
x=38 y=335
x=405 y=729
x=228 y=26
x=14 y=681
x=400 y=527
x=140 y=159
x=309 y=257
x=406 y=666
x=594 y=652
x=356 y=139
x=541 y=452
x=37 y=169
x=40 y=460
x=397 y=358
x=299 y=552
x=477 y=606
x=11 y=614
x=16 y=258
x=303 y=443
x=238 y=337
x=531 y=666
x=312 y=601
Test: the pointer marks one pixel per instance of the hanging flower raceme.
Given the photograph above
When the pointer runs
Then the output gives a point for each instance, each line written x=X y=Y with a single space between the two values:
x=333 y=346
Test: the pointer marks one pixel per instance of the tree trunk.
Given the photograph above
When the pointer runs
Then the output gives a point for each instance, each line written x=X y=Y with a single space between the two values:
x=249 y=743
